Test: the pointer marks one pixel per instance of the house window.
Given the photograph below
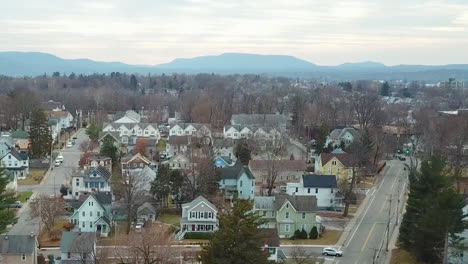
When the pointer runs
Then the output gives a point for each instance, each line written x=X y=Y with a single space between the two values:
x=23 y=257
x=334 y=162
x=331 y=201
x=287 y=205
x=264 y=213
x=308 y=190
x=316 y=190
x=287 y=215
x=303 y=215
x=205 y=215
x=83 y=224
x=91 y=214
x=241 y=184
x=286 y=227
x=331 y=190
x=77 y=182
x=338 y=170
x=297 y=189
x=99 y=214
x=68 y=255
x=91 y=224
x=83 y=213
x=273 y=214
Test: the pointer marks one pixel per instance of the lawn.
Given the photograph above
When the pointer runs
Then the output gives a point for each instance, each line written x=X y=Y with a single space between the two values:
x=23 y=196
x=170 y=219
x=35 y=176
x=401 y=256
x=329 y=237
x=162 y=145
x=46 y=241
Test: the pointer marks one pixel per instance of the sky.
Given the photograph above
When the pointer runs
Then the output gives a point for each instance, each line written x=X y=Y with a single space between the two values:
x=325 y=32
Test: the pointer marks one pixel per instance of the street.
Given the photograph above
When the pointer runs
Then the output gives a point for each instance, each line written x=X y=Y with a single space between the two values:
x=49 y=185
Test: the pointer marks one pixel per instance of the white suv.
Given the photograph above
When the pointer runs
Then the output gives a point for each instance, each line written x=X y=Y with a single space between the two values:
x=332 y=252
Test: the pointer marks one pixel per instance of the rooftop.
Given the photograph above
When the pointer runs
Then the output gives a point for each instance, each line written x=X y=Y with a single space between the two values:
x=319 y=181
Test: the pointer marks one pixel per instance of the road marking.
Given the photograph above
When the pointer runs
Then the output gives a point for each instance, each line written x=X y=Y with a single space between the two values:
x=367 y=209
x=368 y=237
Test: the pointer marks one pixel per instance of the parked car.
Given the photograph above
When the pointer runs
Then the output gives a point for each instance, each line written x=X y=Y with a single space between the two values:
x=16 y=204
x=75 y=137
x=57 y=163
x=328 y=251
x=59 y=158
x=402 y=158
x=69 y=144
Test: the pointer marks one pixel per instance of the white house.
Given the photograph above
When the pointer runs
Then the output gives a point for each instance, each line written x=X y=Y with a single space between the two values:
x=129 y=130
x=346 y=135
x=64 y=118
x=179 y=162
x=200 y=215
x=252 y=131
x=95 y=179
x=78 y=247
x=178 y=145
x=15 y=163
x=237 y=180
x=190 y=129
x=94 y=214
x=323 y=187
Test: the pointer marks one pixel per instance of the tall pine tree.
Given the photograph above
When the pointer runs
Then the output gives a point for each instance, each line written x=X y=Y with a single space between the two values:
x=238 y=239
x=39 y=134
x=385 y=90
x=242 y=152
x=433 y=212
x=108 y=149
x=7 y=216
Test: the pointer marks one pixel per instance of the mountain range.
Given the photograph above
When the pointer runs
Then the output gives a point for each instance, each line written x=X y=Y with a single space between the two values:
x=35 y=63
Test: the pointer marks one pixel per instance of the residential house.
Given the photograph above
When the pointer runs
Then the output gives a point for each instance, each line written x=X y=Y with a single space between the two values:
x=15 y=163
x=130 y=131
x=179 y=162
x=18 y=249
x=346 y=135
x=21 y=140
x=339 y=164
x=78 y=247
x=136 y=163
x=147 y=212
x=323 y=187
x=112 y=136
x=55 y=128
x=190 y=129
x=128 y=116
x=260 y=126
x=64 y=118
x=178 y=145
x=224 y=148
x=271 y=120
x=285 y=171
x=237 y=181
x=51 y=105
x=94 y=179
x=287 y=213
x=94 y=214
x=199 y=215
x=95 y=159
x=271 y=243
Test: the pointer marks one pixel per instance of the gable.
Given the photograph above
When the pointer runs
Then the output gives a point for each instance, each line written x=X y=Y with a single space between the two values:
x=125 y=119
x=85 y=205
x=284 y=206
x=202 y=207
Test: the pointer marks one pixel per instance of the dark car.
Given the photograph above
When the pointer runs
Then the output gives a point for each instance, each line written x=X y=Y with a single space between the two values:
x=402 y=158
x=16 y=204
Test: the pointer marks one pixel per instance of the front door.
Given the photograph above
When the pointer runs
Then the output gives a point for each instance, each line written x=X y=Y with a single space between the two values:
x=98 y=228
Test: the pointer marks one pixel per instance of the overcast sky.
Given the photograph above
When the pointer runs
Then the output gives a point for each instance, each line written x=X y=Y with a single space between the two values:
x=326 y=32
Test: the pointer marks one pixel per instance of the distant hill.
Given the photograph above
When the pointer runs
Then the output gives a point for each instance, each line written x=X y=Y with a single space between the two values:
x=36 y=63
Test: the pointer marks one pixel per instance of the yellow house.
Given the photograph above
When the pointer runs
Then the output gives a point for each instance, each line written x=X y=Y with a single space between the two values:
x=339 y=164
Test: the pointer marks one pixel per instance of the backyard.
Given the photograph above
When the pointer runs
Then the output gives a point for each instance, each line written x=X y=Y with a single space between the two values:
x=35 y=176
x=329 y=237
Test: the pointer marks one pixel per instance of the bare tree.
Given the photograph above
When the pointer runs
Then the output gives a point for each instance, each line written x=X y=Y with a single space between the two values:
x=299 y=255
x=84 y=250
x=48 y=209
x=366 y=108
x=84 y=145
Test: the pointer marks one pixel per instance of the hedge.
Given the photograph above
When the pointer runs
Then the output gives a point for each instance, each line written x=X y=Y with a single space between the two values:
x=198 y=235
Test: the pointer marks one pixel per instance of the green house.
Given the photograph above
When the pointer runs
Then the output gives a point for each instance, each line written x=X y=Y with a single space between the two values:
x=287 y=213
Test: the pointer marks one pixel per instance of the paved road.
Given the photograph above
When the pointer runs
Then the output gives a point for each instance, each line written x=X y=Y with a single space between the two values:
x=370 y=231
x=50 y=185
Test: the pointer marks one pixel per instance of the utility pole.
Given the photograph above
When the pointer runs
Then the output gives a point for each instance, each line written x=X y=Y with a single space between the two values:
x=388 y=222
x=398 y=202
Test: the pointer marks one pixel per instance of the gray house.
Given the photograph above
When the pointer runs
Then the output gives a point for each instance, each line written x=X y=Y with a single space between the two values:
x=200 y=215
x=78 y=248
x=238 y=181
x=18 y=249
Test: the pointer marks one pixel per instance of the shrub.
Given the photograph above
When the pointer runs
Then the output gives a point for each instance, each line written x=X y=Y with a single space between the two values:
x=198 y=235
x=313 y=233
x=303 y=234
x=68 y=226
x=297 y=234
x=55 y=234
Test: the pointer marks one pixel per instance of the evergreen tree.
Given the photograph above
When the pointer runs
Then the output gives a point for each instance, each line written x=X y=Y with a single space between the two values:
x=93 y=130
x=313 y=233
x=385 y=90
x=297 y=234
x=133 y=82
x=243 y=152
x=7 y=216
x=321 y=140
x=433 y=211
x=108 y=149
x=39 y=134
x=238 y=239
x=303 y=234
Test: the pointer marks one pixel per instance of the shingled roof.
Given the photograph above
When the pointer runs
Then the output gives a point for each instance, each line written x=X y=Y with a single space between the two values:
x=234 y=172
x=259 y=119
x=17 y=244
x=77 y=242
x=302 y=203
x=345 y=158
x=99 y=170
x=319 y=181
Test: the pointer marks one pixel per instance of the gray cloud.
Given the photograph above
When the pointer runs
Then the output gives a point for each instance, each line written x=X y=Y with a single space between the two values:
x=324 y=32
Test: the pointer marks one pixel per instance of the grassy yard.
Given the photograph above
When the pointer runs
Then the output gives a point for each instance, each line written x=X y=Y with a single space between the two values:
x=35 y=176
x=23 y=196
x=401 y=256
x=329 y=237
x=44 y=238
x=162 y=145
x=170 y=219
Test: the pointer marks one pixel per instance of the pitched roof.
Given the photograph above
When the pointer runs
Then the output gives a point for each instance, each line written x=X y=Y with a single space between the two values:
x=113 y=134
x=302 y=203
x=319 y=181
x=58 y=114
x=197 y=200
x=136 y=156
x=130 y=126
x=264 y=203
x=77 y=242
x=99 y=170
x=234 y=172
x=179 y=140
x=299 y=165
x=102 y=198
x=146 y=207
x=17 y=244
x=17 y=155
x=195 y=125
x=19 y=134
x=269 y=237
x=129 y=114
x=51 y=105
x=259 y=119
x=340 y=132
x=345 y=158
